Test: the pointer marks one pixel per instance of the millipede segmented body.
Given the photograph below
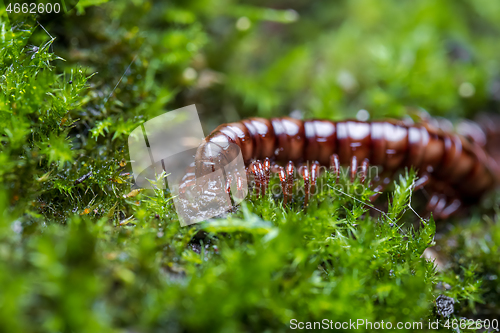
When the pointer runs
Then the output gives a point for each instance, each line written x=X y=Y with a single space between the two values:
x=455 y=167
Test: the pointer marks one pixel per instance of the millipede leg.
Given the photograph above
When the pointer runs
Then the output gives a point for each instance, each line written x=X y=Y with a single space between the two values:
x=267 y=173
x=256 y=176
x=451 y=208
x=239 y=195
x=441 y=204
x=305 y=175
x=433 y=202
x=282 y=175
x=239 y=183
x=364 y=170
x=229 y=179
x=250 y=172
x=335 y=165
x=381 y=187
x=228 y=184
x=262 y=181
x=314 y=176
x=289 y=178
x=422 y=181
x=354 y=168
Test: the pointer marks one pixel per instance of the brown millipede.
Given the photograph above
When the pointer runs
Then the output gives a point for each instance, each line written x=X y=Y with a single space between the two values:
x=455 y=167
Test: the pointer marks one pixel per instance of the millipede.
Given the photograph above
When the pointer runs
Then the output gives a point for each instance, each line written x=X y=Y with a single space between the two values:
x=455 y=165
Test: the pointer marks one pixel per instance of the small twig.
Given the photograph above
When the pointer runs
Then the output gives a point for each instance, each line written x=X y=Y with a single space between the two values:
x=409 y=202
x=45 y=30
x=116 y=86
x=364 y=203
x=82 y=178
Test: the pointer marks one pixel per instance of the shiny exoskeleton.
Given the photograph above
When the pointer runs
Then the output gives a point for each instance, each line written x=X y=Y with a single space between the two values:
x=455 y=167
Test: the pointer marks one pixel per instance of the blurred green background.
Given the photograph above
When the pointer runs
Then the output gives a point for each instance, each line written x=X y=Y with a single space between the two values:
x=80 y=251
